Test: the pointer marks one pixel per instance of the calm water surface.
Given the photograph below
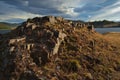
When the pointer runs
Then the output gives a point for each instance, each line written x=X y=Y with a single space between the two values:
x=104 y=30
x=4 y=31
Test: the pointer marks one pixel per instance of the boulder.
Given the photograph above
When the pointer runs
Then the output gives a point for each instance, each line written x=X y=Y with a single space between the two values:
x=12 y=49
x=59 y=18
x=91 y=28
x=14 y=41
x=50 y=19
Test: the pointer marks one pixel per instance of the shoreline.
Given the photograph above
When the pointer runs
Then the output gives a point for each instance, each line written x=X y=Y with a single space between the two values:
x=5 y=29
x=112 y=33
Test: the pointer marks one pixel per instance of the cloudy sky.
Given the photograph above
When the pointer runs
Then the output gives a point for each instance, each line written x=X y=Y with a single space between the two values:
x=87 y=10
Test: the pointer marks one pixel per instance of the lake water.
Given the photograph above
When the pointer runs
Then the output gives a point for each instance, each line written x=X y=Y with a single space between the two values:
x=105 y=30
x=100 y=30
x=4 y=31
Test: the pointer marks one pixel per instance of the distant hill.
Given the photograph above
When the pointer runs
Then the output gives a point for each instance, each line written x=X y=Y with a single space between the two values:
x=97 y=24
x=105 y=24
x=4 y=25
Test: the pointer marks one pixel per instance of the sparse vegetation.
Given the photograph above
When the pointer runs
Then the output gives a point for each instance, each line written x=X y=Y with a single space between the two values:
x=4 y=25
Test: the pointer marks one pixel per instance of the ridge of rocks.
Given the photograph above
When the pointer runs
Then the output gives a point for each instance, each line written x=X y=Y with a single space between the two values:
x=53 y=48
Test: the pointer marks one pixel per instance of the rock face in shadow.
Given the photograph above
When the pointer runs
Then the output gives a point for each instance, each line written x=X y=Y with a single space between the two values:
x=53 y=48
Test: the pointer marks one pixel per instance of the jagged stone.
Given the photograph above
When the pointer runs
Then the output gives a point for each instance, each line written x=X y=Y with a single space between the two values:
x=50 y=19
x=12 y=49
x=59 y=18
x=13 y=41
x=91 y=28
x=60 y=38
x=29 y=24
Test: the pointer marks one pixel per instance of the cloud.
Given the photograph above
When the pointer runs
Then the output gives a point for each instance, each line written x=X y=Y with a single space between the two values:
x=8 y=12
x=21 y=8
x=14 y=20
x=45 y=6
x=110 y=12
x=72 y=9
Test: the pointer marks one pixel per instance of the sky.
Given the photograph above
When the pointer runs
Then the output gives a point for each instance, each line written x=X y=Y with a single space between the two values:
x=87 y=10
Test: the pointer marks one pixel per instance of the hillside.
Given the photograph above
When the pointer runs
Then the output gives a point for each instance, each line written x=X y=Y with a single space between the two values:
x=114 y=37
x=105 y=24
x=52 y=48
x=4 y=25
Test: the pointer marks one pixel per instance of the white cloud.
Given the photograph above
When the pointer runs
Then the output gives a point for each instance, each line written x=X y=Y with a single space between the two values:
x=111 y=12
x=69 y=11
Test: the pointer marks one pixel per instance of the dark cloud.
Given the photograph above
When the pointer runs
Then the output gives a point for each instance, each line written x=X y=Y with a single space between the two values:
x=40 y=6
x=89 y=8
x=1 y=13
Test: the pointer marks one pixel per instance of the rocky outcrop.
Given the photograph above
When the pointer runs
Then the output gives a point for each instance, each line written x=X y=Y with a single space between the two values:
x=34 y=44
x=53 y=48
x=13 y=41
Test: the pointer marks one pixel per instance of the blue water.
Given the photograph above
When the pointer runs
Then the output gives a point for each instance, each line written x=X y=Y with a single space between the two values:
x=4 y=31
x=105 y=30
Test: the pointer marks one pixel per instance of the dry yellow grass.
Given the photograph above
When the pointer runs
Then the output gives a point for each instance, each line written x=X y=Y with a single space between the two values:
x=114 y=37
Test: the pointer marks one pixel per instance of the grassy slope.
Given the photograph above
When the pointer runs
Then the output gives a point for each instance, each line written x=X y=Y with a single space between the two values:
x=88 y=55
x=4 y=26
x=114 y=38
x=7 y=25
